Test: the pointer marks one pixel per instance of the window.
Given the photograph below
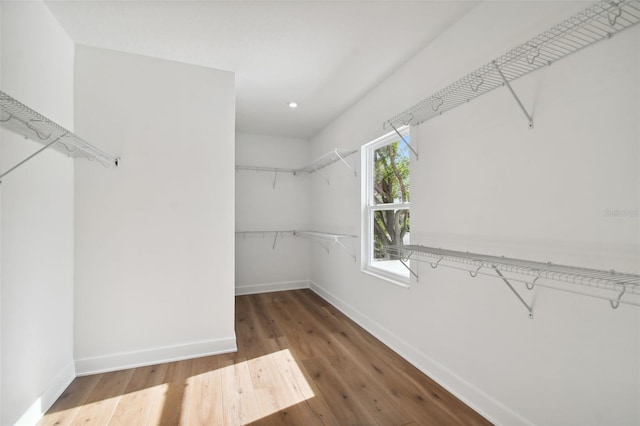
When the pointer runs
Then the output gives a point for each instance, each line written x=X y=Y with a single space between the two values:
x=385 y=200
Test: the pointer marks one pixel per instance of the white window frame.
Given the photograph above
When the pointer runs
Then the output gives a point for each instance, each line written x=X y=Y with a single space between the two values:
x=369 y=207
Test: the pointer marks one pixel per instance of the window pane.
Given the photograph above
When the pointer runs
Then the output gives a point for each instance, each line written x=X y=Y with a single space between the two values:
x=390 y=228
x=391 y=173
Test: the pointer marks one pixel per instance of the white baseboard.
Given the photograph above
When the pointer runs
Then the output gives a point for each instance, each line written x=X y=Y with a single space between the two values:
x=271 y=287
x=40 y=406
x=122 y=361
x=475 y=398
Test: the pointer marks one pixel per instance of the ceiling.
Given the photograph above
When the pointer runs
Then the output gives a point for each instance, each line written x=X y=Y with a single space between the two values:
x=325 y=55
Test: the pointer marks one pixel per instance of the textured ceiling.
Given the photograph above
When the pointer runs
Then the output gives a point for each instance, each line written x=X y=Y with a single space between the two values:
x=325 y=55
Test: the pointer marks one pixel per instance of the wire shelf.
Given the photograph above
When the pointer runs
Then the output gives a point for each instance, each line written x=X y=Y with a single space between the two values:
x=315 y=166
x=21 y=119
x=265 y=169
x=323 y=238
x=595 y=23
x=619 y=283
x=326 y=160
x=262 y=234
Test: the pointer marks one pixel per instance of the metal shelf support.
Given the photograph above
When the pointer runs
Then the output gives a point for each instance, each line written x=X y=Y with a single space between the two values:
x=28 y=158
x=326 y=160
x=615 y=287
x=404 y=263
x=405 y=141
x=24 y=121
x=506 y=83
x=502 y=277
x=274 y=170
x=594 y=24
x=324 y=238
x=313 y=167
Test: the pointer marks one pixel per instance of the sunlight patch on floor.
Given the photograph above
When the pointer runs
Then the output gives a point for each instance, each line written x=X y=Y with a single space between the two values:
x=247 y=391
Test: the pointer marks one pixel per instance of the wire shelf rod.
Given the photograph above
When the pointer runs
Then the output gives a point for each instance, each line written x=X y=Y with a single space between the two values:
x=324 y=237
x=313 y=167
x=22 y=120
x=262 y=233
x=326 y=160
x=531 y=284
x=595 y=23
x=264 y=169
x=586 y=277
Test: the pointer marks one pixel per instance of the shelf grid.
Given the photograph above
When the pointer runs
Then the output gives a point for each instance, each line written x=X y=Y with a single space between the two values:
x=326 y=160
x=324 y=237
x=595 y=23
x=620 y=284
x=21 y=119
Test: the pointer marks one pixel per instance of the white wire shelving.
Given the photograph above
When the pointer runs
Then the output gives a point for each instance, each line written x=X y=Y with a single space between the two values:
x=275 y=170
x=326 y=160
x=265 y=234
x=313 y=167
x=595 y=23
x=609 y=285
x=323 y=238
x=24 y=121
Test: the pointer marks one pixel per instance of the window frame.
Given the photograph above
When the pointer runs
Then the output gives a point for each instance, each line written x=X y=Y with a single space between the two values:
x=369 y=207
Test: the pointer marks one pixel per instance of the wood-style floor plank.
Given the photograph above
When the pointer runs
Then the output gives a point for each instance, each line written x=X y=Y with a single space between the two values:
x=345 y=407
x=64 y=410
x=144 y=387
x=204 y=399
x=300 y=361
x=238 y=396
x=103 y=399
x=174 y=410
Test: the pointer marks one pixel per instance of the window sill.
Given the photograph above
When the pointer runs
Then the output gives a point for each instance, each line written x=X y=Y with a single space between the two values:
x=386 y=276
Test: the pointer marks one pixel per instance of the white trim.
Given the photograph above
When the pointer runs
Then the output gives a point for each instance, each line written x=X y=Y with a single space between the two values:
x=47 y=398
x=475 y=398
x=389 y=278
x=390 y=206
x=271 y=287
x=368 y=208
x=133 y=359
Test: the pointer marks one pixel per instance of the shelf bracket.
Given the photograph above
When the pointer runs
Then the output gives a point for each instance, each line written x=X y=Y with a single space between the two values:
x=529 y=308
x=404 y=263
x=506 y=82
x=30 y=157
x=274 y=241
x=275 y=177
x=355 y=173
x=323 y=176
x=325 y=247
x=404 y=140
x=352 y=254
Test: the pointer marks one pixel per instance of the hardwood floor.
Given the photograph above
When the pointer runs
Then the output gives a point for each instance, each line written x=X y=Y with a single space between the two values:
x=299 y=362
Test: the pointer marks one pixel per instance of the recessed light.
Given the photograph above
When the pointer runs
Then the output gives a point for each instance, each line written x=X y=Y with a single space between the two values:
x=293 y=105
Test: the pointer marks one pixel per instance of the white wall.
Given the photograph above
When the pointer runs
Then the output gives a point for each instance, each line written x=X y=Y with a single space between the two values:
x=37 y=219
x=486 y=183
x=261 y=207
x=154 y=237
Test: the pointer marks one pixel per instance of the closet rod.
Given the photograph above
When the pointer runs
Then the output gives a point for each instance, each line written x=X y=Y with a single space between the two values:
x=610 y=285
x=595 y=23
